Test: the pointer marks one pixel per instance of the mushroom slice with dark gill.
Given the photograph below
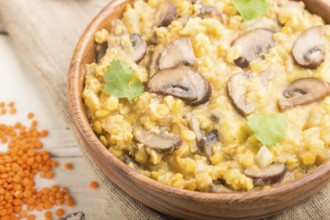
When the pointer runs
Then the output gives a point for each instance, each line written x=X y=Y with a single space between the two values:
x=178 y=52
x=303 y=91
x=163 y=143
x=182 y=82
x=75 y=216
x=266 y=176
x=253 y=43
x=210 y=12
x=165 y=14
x=139 y=47
x=204 y=142
x=101 y=50
x=194 y=126
x=237 y=93
x=207 y=142
x=309 y=49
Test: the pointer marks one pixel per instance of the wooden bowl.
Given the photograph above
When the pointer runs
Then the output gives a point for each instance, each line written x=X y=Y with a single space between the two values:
x=178 y=202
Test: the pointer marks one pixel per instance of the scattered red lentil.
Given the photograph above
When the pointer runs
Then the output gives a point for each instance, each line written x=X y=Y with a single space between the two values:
x=93 y=185
x=12 y=111
x=30 y=115
x=11 y=104
x=59 y=212
x=43 y=133
x=24 y=159
x=31 y=217
x=68 y=166
x=48 y=214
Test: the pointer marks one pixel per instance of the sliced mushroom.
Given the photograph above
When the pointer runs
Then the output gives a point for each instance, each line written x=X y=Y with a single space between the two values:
x=303 y=91
x=253 y=43
x=163 y=143
x=237 y=94
x=184 y=20
x=210 y=12
x=178 y=52
x=101 y=49
x=129 y=160
x=196 y=1
x=139 y=47
x=263 y=22
x=194 y=126
x=75 y=216
x=269 y=175
x=165 y=14
x=204 y=143
x=154 y=63
x=207 y=142
x=182 y=82
x=309 y=49
x=219 y=188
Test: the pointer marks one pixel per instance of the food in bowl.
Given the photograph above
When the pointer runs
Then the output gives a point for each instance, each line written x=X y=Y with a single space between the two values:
x=213 y=96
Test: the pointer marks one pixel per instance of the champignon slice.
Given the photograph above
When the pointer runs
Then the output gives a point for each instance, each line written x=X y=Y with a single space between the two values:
x=194 y=126
x=210 y=12
x=263 y=22
x=139 y=47
x=182 y=82
x=154 y=63
x=237 y=93
x=253 y=43
x=269 y=175
x=178 y=52
x=309 y=49
x=101 y=49
x=165 y=14
x=206 y=143
x=163 y=143
x=75 y=216
x=219 y=188
x=196 y=1
x=303 y=91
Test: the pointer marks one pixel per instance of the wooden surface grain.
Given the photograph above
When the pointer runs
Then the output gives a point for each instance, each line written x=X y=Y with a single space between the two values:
x=19 y=84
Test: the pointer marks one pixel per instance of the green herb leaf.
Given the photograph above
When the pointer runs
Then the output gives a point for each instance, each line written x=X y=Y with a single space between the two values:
x=251 y=9
x=119 y=81
x=270 y=129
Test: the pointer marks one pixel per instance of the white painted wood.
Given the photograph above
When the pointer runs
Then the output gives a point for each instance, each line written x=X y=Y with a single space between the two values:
x=19 y=84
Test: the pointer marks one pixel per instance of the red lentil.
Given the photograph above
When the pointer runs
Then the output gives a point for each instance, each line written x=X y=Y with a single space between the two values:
x=93 y=185
x=18 y=168
x=68 y=166
x=59 y=212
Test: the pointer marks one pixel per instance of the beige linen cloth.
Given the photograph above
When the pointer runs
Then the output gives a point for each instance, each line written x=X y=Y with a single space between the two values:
x=45 y=33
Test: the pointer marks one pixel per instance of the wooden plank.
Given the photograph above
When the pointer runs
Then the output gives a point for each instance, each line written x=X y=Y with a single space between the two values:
x=19 y=84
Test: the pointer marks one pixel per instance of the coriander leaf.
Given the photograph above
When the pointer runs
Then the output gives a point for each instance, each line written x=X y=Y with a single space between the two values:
x=269 y=129
x=119 y=81
x=251 y=9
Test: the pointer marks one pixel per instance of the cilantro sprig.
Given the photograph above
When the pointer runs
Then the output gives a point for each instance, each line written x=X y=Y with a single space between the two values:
x=269 y=129
x=251 y=9
x=119 y=81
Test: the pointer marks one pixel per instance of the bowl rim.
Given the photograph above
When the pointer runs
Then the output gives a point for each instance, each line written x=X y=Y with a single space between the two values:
x=85 y=130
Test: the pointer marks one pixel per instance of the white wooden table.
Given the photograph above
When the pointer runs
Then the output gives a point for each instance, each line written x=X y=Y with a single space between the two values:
x=19 y=84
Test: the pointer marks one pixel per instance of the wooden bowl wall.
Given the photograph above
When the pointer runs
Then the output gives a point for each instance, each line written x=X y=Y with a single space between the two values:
x=177 y=202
